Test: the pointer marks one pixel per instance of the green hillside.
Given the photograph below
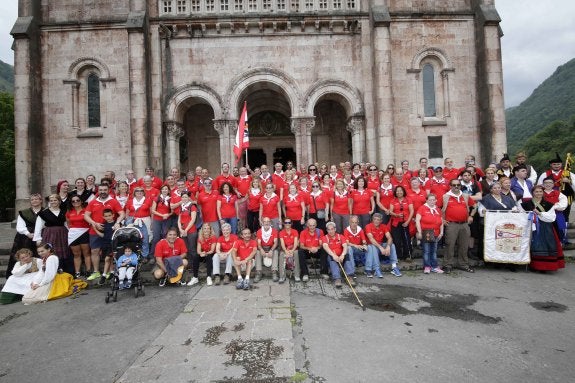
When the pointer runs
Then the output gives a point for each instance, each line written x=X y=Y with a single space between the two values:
x=553 y=100
x=557 y=137
x=6 y=78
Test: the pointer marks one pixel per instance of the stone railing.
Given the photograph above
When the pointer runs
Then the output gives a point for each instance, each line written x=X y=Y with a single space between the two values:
x=213 y=7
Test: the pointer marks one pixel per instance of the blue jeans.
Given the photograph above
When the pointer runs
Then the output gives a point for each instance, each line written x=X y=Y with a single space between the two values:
x=336 y=271
x=356 y=256
x=429 y=254
x=372 y=262
x=145 y=236
x=233 y=223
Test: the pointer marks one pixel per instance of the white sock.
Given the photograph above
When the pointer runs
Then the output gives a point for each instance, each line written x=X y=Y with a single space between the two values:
x=240 y=278
x=247 y=277
x=394 y=265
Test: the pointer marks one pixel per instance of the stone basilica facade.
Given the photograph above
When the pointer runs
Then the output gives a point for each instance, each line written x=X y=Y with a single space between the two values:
x=122 y=84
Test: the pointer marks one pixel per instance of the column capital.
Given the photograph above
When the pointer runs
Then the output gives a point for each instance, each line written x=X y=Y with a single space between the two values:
x=221 y=125
x=302 y=125
x=355 y=124
x=174 y=130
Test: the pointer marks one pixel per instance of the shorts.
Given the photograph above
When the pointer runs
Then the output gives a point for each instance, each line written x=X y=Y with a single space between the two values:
x=81 y=240
x=97 y=242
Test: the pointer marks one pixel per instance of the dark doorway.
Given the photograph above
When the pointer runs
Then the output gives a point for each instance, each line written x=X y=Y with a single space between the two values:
x=256 y=157
x=283 y=155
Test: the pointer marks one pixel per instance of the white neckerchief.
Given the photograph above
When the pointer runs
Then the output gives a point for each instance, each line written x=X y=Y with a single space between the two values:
x=450 y=193
x=105 y=200
x=352 y=233
x=255 y=191
x=266 y=234
x=439 y=181
x=355 y=175
x=268 y=199
x=337 y=194
x=386 y=189
x=360 y=191
x=265 y=178
x=228 y=197
x=186 y=207
x=138 y=204
x=333 y=176
x=432 y=210
x=525 y=187
x=304 y=189
x=165 y=199
x=316 y=193
x=292 y=197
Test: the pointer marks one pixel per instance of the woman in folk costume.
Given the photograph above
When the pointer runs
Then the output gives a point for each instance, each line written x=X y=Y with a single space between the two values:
x=546 y=250
x=25 y=224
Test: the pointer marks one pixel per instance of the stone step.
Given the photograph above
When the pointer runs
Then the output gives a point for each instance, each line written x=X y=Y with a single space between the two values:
x=4 y=258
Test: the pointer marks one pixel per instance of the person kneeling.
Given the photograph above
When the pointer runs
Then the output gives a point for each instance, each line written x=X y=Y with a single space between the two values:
x=170 y=256
x=243 y=255
x=335 y=246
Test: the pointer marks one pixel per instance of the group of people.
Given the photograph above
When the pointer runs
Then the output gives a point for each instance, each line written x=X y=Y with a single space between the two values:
x=344 y=215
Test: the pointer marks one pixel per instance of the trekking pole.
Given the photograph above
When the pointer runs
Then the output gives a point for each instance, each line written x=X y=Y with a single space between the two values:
x=350 y=286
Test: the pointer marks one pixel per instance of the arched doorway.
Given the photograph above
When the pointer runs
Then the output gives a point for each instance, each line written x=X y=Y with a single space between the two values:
x=331 y=140
x=200 y=145
x=269 y=112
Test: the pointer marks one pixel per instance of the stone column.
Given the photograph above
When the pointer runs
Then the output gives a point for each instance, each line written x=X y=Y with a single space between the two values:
x=226 y=130
x=174 y=132
x=356 y=126
x=302 y=128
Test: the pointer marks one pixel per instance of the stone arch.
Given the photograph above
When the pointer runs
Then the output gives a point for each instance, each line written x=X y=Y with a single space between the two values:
x=436 y=53
x=340 y=91
x=245 y=82
x=78 y=65
x=188 y=95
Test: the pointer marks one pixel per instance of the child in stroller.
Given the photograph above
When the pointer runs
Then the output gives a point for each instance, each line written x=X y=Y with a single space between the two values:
x=126 y=264
x=126 y=239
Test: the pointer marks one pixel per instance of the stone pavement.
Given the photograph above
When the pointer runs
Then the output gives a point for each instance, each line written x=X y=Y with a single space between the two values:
x=223 y=334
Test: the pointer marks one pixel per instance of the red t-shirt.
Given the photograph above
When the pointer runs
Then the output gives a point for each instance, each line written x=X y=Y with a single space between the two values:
x=340 y=203
x=164 y=250
x=208 y=202
x=400 y=207
x=289 y=238
x=162 y=207
x=226 y=245
x=357 y=238
x=156 y=183
x=307 y=239
x=456 y=210
x=439 y=188
x=244 y=249
x=378 y=233
x=430 y=218
x=318 y=202
x=278 y=180
x=228 y=205
x=270 y=241
x=385 y=196
x=219 y=181
x=152 y=193
x=142 y=211
x=450 y=174
x=335 y=243
x=405 y=182
x=270 y=206
x=293 y=207
x=76 y=219
x=361 y=201
x=97 y=207
x=243 y=185
x=373 y=184
x=254 y=200
x=206 y=244
x=185 y=214
x=417 y=199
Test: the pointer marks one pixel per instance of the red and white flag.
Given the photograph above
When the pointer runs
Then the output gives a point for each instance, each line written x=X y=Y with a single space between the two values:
x=242 y=136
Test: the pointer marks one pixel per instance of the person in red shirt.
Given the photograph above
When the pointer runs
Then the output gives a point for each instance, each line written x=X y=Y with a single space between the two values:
x=267 y=239
x=335 y=245
x=327 y=184
x=319 y=204
x=171 y=246
x=449 y=172
x=384 y=197
x=278 y=176
x=429 y=224
x=254 y=194
x=225 y=176
x=138 y=212
x=187 y=214
x=227 y=206
x=156 y=182
x=418 y=196
x=438 y=185
x=223 y=254
x=423 y=162
x=294 y=207
x=361 y=201
x=376 y=234
x=161 y=216
x=243 y=254
x=206 y=247
x=94 y=216
x=148 y=185
x=401 y=212
x=356 y=241
x=400 y=179
x=373 y=180
x=78 y=237
x=270 y=206
x=339 y=205
x=310 y=241
x=243 y=184
x=289 y=242
x=208 y=201
x=457 y=219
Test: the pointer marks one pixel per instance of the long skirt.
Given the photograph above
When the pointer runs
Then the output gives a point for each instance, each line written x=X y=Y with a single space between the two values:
x=57 y=236
x=546 y=249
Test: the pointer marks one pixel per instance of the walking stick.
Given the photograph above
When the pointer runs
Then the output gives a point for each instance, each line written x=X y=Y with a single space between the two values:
x=350 y=286
x=407 y=241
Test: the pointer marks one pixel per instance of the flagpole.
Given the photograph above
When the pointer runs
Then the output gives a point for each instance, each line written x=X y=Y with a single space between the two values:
x=246 y=158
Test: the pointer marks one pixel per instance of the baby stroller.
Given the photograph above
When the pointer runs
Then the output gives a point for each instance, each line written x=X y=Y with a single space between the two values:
x=126 y=236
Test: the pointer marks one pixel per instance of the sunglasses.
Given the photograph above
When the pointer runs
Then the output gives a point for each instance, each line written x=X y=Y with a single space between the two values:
x=373 y=169
x=76 y=200
x=455 y=185
x=287 y=222
x=390 y=167
x=313 y=170
x=316 y=186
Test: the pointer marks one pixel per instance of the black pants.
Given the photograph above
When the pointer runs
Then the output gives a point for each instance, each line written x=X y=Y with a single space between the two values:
x=196 y=264
x=305 y=254
x=401 y=241
x=253 y=221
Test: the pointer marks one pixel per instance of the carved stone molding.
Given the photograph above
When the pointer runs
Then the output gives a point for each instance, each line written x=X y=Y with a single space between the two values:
x=302 y=125
x=220 y=126
x=174 y=130
x=355 y=125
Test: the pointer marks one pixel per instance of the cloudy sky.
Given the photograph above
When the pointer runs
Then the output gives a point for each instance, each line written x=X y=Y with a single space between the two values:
x=538 y=37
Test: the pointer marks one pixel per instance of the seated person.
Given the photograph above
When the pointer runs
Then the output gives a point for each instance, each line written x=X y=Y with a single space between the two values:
x=311 y=246
x=42 y=281
x=288 y=258
x=23 y=274
x=223 y=254
x=267 y=239
x=335 y=245
x=356 y=241
x=376 y=233
x=170 y=254
x=243 y=254
x=126 y=265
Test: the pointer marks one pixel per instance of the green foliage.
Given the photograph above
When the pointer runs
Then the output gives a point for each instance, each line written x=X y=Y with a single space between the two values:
x=6 y=78
x=7 y=167
x=553 y=100
x=559 y=136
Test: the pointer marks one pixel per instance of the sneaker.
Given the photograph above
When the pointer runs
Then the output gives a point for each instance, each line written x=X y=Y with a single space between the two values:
x=217 y=280
x=102 y=280
x=447 y=269
x=337 y=283
x=77 y=275
x=275 y=277
x=247 y=284
x=369 y=273
x=162 y=282
x=395 y=271
x=108 y=275
x=426 y=270
x=128 y=284
x=378 y=274
x=305 y=278
x=209 y=281
x=121 y=286
x=258 y=277
x=325 y=277
x=282 y=280
x=297 y=279
x=437 y=270
x=240 y=284
x=94 y=275
x=193 y=281
x=226 y=279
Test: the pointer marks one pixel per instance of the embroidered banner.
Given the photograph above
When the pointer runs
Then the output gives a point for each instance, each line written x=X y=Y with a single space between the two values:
x=507 y=237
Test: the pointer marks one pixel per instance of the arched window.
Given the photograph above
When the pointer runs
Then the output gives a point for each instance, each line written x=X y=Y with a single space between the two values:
x=428 y=91
x=93 y=87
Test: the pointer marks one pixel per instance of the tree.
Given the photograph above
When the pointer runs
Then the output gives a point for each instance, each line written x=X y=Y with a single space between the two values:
x=7 y=166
